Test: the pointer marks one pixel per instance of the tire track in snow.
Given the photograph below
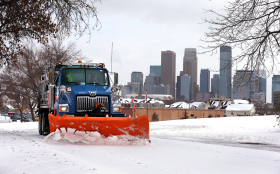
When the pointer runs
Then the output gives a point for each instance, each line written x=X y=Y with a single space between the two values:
x=250 y=145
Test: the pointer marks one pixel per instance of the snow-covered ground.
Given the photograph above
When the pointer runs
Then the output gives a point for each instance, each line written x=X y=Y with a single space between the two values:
x=210 y=145
x=5 y=119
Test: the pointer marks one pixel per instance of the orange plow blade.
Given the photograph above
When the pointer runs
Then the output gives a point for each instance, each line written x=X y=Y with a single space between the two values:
x=107 y=126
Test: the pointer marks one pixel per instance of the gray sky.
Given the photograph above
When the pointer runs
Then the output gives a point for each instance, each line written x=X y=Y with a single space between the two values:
x=140 y=30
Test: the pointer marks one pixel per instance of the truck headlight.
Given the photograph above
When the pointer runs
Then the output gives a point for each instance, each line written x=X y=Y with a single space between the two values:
x=117 y=109
x=63 y=108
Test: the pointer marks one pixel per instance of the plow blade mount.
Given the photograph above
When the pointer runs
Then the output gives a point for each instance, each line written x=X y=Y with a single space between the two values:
x=107 y=126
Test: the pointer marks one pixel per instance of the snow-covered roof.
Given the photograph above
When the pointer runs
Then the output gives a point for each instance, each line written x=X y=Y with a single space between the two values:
x=240 y=107
x=125 y=100
x=150 y=100
x=10 y=107
x=197 y=105
x=182 y=105
x=239 y=101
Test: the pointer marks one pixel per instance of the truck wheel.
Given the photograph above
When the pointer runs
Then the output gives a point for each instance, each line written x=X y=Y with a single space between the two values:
x=40 y=125
x=45 y=124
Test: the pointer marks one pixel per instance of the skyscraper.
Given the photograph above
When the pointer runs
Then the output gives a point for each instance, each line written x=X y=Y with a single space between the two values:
x=190 y=68
x=138 y=77
x=134 y=87
x=156 y=70
x=168 y=70
x=225 y=71
x=215 y=84
x=183 y=88
x=150 y=82
x=161 y=89
x=275 y=85
x=262 y=76
x=204 y=80
x=245 y=84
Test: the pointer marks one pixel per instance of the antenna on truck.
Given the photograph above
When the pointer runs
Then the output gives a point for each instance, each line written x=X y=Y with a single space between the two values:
x=111 y=58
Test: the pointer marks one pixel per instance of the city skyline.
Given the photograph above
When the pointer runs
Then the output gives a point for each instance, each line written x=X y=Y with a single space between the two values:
x=140 y=31
x=240 y=90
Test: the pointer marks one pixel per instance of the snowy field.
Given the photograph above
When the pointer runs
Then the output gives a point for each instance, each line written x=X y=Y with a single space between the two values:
x=210 y=145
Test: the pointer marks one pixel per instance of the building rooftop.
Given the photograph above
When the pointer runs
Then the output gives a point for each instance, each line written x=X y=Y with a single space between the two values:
x=240 y=107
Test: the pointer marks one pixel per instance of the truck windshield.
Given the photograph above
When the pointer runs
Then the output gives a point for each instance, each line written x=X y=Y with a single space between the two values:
x=73 y=76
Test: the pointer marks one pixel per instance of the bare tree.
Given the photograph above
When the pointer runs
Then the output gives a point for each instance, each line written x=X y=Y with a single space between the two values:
x=155 y=117
x=185 y=115
x=253 y=26
x=261 y=108
x=56 y=52
x=23 y=77
x=25 y=20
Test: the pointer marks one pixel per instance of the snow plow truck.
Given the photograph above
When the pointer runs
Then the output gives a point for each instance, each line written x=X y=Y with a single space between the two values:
x=79 y=96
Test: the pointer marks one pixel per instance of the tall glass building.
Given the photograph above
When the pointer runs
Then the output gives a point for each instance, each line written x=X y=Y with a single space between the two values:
x=150 y=82
x=204 y=80
x=156 y=70
x=184 y=87
x=262 y=76
x=275 y=85
x=168 y=70
x=190 y=68
x=215 y=84
x=245 y=84
x=225 y=71
x=138 y=77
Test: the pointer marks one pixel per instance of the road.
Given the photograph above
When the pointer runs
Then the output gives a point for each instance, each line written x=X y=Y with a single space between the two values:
x=24 y=151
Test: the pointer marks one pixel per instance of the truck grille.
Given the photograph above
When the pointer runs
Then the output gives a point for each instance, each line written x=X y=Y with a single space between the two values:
x=87 y=103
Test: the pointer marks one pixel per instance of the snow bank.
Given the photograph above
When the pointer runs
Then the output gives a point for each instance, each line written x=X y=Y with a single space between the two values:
x=95 y=138
x=251 y=129
x=5 y=119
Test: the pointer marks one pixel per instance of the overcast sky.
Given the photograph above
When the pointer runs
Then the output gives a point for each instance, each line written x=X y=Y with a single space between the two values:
x=140 y=30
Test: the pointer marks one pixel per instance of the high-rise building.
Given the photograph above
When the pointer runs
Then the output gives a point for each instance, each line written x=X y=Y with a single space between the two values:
x=183 y=88
x=190 y=68
x=168 y=70
x=262 y=76
x=215 y=84
x=138 y=77
x=135 y=87
x=246 y=85
x=275 y=86
x=204 y=80
x=150 y=82
x=225 y=71
x=126 y=90
x=156 y=70
x=276 y=99
x=161 y=89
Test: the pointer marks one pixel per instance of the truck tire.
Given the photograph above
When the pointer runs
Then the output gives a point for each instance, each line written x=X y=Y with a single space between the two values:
x=45 y=124
x=40 y=125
